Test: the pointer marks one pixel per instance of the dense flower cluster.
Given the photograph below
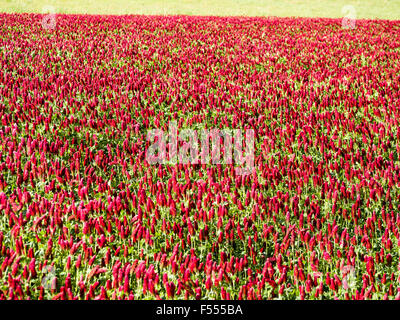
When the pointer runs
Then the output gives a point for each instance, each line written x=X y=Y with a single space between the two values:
x=318 y=218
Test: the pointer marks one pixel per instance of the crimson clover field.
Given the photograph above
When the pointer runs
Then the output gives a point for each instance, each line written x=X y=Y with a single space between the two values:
x=83 y=215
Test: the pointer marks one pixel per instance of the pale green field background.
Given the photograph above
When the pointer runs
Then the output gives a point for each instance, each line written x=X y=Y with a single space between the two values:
x=381 y=9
